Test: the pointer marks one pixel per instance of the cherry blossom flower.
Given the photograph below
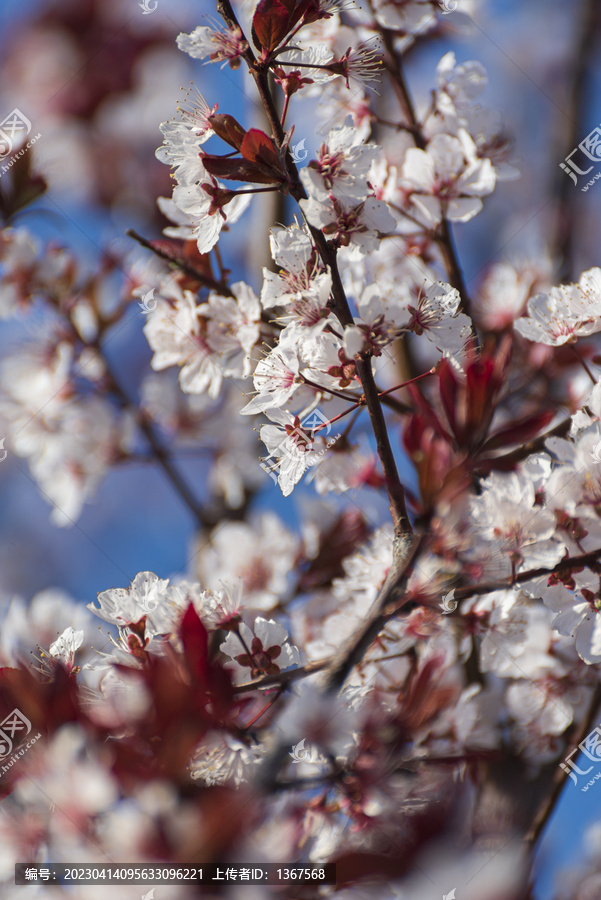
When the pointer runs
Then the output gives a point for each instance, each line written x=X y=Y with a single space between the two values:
x=276 y=378
x=216 y=44
x=260 y=553
x=195 y=209
x=126 y=606
x=223 y=759
x=182 y=138
x=565 y=313
x=66 y=646
x=210 y=341
x=510 y=528
x=341 y=167
x=350 y=225
x=437 y=316
x=458 y=84
x=292 y=449
x=517 y=638
x=447 y=179
x=410 y=16
x=233 y=326
x=576 y=613
x=505 y=292
x=264 y=650
x=37 y=623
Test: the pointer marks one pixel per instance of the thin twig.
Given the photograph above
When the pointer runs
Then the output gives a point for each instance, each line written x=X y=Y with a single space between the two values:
x=443 y=237
x=564 y=565
x=185 y=267
x=161 y=455
x=549 y=804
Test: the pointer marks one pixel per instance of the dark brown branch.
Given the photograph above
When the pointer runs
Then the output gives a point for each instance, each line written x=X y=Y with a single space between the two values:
x=386 y=605
x=395 y=69
x=160 y=454
x=443 y=237
x=185 y=267
x=547 y=808
x=564 y=565
x=283 y=678
x=446 y=245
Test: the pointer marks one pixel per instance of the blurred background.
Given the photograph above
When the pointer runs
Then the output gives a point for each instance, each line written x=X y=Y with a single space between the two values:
x=96 y=78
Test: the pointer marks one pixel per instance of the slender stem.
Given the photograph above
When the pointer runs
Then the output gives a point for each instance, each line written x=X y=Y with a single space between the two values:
x=321 y=388
x=262 y=712
x=161 y=455
x=444 y=238
x=446 y=244
x=266 y=190
x=285 y=109
x=564 y=565
x=389 y=602
x=204 y=279
x=582 y=362
x=548 y=807
x=405 y=383
x=223 y=272
x=283 y=678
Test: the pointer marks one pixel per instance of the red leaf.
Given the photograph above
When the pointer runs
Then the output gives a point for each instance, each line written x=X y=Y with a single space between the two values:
x=236 y=170
x=261 y=150
x=228 y=129
x=270 y=25
x=448 y=392
x=517 y=433
x=195 y=639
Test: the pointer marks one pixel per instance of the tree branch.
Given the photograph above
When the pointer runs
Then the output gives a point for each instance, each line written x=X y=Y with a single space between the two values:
x=185 y=267
x=161 y=455
x=547 y=808
x=387 y=604
x=443 y=237
x=564 y=565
